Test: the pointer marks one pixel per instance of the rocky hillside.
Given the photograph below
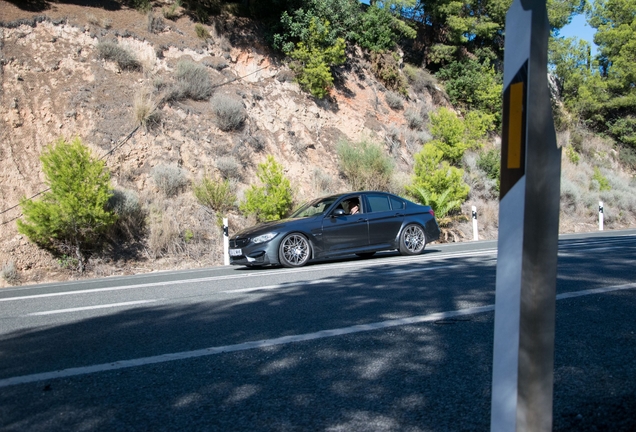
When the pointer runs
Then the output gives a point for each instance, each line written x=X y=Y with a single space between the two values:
x=57 y=83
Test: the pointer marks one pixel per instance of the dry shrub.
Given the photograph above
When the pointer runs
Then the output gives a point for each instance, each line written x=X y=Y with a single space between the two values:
x=10 y=273
x=182 y=232
x=420 y=79
x=193 y=81
x=229 y=112
x=170 y=179
x=414 y=119
x=155 y=24
x=131 y=216
x=229 y=167
x=394 y=100
x=323 y=183
x=114 y=52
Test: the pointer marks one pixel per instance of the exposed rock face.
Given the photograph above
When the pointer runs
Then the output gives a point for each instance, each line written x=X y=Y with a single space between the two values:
x=54 y=84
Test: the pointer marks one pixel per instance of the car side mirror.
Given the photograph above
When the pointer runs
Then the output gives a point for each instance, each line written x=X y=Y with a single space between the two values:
x=338 y=212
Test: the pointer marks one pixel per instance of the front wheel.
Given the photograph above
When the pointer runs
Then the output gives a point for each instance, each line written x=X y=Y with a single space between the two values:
x=412 y=240
x=294 y=251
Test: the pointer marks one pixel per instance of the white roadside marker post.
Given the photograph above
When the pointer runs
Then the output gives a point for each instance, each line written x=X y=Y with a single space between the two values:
x=226 y=242
x=600 y=215
x=475 y=231
x=523 y=357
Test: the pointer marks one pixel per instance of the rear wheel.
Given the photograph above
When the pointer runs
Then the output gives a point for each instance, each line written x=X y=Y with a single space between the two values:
x=412 y=240
x=365 y=254
x=294 y=251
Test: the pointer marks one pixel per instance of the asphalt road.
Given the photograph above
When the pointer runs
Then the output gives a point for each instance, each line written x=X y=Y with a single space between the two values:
x=386 y=344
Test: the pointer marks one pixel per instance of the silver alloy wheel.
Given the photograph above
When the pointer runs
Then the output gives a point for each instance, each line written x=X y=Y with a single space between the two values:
x=412 y=240
x=294 y=250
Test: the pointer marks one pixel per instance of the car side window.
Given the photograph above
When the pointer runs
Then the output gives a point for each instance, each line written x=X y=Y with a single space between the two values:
x=397 y=204
x=378 y=203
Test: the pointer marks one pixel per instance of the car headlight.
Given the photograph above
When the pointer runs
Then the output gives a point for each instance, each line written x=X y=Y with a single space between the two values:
x=263 y=237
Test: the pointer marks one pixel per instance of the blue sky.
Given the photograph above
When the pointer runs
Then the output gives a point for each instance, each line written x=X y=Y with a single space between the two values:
x=580 y=29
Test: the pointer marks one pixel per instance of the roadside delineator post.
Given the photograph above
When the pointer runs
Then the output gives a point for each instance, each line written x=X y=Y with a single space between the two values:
x=523 y=356
x=475 y=231
x=226 y=242
x=600 y=215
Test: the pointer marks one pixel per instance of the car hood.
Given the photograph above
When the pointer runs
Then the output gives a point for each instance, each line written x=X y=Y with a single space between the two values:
x=269 y=226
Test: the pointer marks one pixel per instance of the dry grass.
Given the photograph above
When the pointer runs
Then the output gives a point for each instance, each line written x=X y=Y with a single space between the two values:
x=145 y=112
x=181 y=231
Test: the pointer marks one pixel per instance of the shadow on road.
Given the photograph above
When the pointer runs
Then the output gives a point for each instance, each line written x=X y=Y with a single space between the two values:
x=427 y=377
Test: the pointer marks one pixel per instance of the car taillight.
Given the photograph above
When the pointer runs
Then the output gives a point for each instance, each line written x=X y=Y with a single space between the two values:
x=432 y=212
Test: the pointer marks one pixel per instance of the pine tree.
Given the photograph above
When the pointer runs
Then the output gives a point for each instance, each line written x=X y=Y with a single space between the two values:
x=72 y=216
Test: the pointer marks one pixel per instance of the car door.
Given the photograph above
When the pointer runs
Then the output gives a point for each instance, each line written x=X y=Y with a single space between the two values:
x=385 y=214
x=345 y=232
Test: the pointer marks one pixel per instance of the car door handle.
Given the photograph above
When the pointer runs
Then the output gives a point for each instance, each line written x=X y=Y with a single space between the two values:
x=362 y=220
x=399 y=215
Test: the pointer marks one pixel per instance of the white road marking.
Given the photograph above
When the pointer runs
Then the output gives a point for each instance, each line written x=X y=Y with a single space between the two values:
x=24 y=379
x=104 y=306
x=278 y=286
x=356 y=264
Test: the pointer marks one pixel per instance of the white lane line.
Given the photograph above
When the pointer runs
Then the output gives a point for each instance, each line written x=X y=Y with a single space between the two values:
x=278 y=286
x=24 y=379
x=356 y=264
x=104 y=306
x=239 y=347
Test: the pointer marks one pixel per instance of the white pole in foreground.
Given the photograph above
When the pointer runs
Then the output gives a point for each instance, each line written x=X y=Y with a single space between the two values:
x=226 y=243
x=475 y=232
x=600 y=215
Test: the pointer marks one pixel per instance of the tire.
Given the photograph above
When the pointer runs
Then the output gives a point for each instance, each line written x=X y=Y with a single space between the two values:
x=365 y=254
x=294 y=251
x=412 y=240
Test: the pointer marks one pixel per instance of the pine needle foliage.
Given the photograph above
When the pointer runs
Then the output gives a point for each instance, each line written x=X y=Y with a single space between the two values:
x=273 y=200
x=71 y=218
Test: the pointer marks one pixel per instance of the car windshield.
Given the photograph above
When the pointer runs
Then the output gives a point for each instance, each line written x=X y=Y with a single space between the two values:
x=314 y=208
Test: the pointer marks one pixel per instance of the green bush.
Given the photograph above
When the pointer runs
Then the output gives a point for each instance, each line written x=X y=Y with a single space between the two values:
x=114 y=52
x=572 y=155
x=365 y=165
x=314 y=58
x=435 y=178
x=385 y=68
x=490 y=163
x=453 y=135
x=599 y=181
x=218 y=196
x=171 y=180
x=474 y=86
x=273 y=200
x=229 y=112
x=72 y=216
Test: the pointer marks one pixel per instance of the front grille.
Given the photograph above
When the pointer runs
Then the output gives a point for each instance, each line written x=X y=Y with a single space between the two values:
x=239 y=243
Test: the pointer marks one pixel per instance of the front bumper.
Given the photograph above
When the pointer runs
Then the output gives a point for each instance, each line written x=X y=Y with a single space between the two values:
x=255 y=254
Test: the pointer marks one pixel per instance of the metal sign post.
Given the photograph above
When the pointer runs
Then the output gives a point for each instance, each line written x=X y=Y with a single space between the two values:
x=523 y=361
